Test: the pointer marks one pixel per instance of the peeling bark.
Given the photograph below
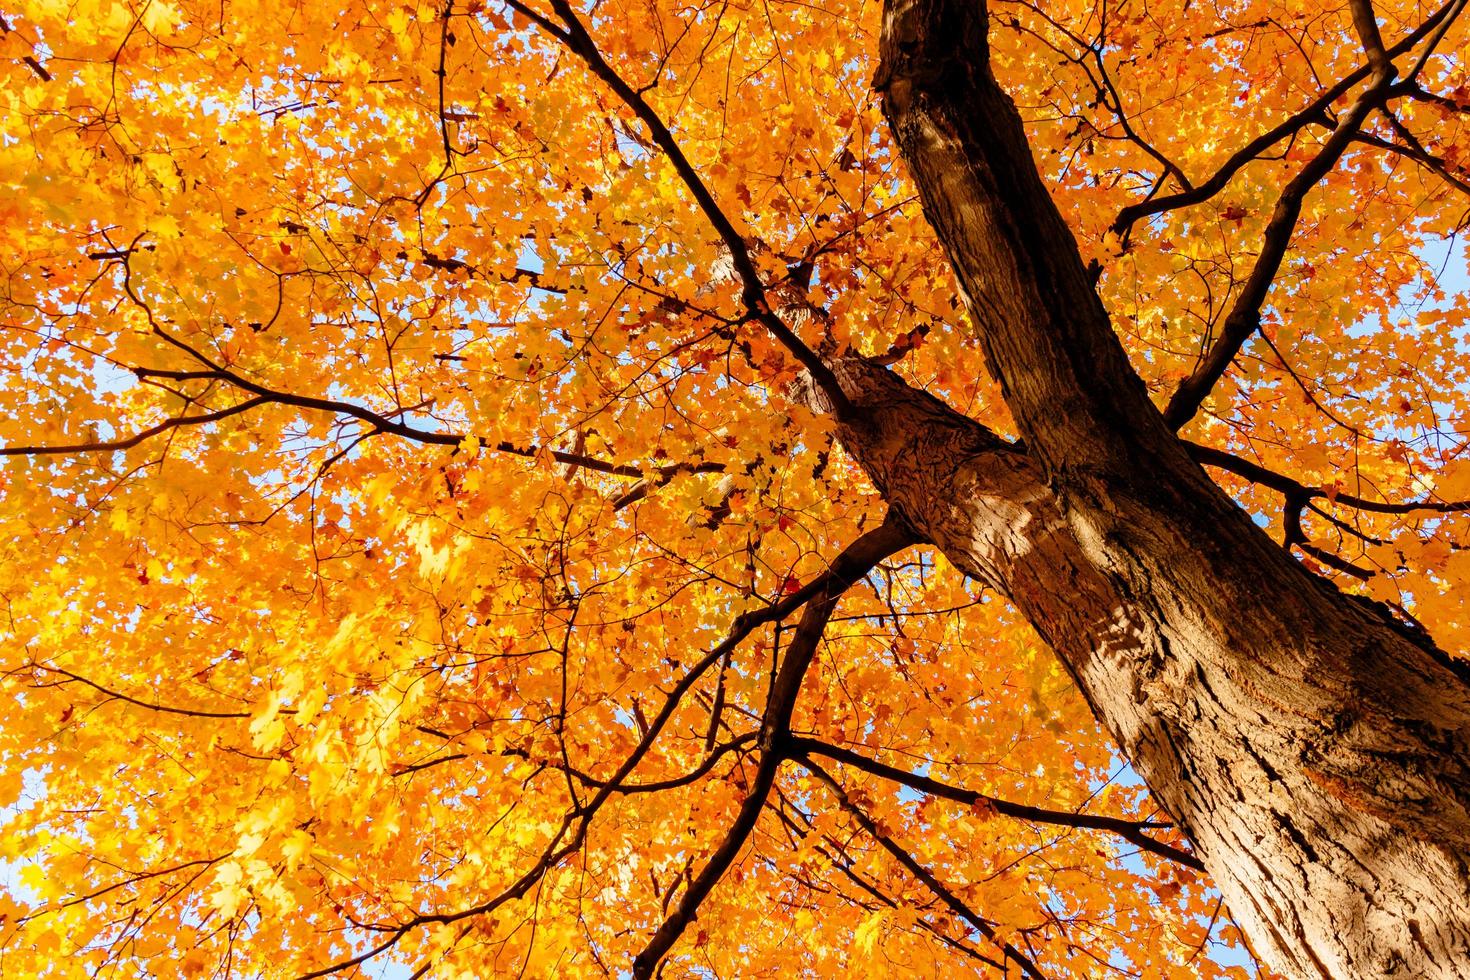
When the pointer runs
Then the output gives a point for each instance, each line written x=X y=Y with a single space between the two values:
x=1315 y=752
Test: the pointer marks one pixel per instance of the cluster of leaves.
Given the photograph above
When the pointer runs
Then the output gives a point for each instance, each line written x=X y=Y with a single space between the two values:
x=407 y=501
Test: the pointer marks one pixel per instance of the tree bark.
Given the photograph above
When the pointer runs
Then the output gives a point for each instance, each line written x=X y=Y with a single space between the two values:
x=1317 y=754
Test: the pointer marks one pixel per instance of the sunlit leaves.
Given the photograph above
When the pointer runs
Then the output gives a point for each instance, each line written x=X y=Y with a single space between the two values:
x=295 y=683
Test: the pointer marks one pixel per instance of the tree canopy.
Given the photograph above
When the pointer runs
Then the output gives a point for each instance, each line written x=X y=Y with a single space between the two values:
x=425 y=540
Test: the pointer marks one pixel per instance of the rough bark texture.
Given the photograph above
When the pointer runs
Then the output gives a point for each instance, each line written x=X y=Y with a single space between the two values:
x=1315 y=753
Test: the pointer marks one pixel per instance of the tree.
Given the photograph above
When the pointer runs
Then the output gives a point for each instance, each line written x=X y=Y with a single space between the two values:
x=510 y=487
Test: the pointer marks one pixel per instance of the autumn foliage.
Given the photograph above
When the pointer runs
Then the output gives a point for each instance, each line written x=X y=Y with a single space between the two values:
x=408 y=502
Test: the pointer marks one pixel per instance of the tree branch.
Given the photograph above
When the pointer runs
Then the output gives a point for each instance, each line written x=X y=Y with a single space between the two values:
x=1314 y=111
x=576 y=37
x=379 y=422
x=133 y=440
x=1129 y=830
x=1244 y=317
x=390 y=426
x=1295 y=489
x=922 y=873
x=1414 y=150
x=150 y=705
x=843 y=862
x=850 y=565
x=1365 y=22
x=862 y=555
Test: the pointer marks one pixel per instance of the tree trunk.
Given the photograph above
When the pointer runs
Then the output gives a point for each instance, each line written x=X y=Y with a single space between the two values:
x=1314 y=751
